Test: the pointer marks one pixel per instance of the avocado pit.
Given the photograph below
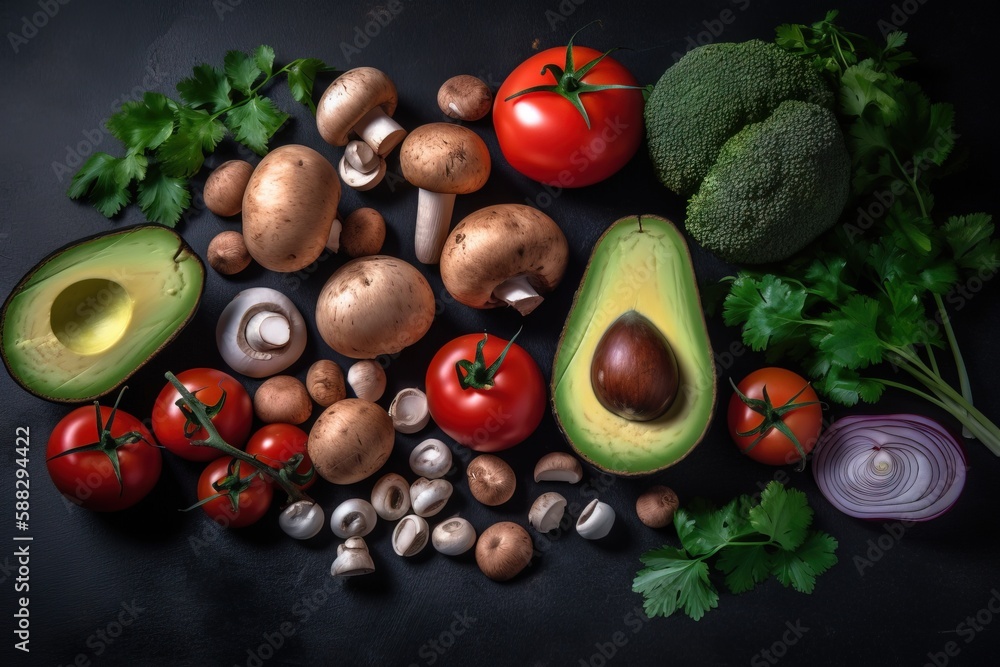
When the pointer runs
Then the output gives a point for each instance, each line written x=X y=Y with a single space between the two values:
x=634 y=371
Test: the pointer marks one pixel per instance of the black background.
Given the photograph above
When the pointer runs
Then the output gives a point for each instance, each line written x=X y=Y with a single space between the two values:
x=210 y=597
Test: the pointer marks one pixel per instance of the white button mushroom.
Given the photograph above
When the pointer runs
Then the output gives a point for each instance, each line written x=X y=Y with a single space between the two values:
x=391 y=496
x=367 y=379
x=443 y=160
x=361 y=168
x=429 y=496
x=596 y=520
x=453 y=537
x=302 y=519
x=353 y=559
x=410 y=536
x=547 y=512
x=409 y=410
x=507 y=254
x=361 y=100
x=431 y=459
x=354 y=517
x=260 y=332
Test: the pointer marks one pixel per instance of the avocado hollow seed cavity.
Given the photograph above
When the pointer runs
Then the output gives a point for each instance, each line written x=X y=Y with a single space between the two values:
x=634 y=372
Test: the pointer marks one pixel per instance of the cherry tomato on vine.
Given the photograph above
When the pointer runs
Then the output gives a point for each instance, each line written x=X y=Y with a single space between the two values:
x=233 y=493
x=484 y=392
x=570 y=125
x=227 y=403
x=103 y=459
x=275 y=444
x=777 y=419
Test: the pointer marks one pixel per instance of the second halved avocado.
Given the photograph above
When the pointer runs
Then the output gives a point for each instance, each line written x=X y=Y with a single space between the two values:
x=91 y=314
x=640 y=264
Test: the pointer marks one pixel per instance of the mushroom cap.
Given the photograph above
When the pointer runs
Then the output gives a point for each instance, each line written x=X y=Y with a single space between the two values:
x=445 y=158
x=496 y=243
x=351 y=95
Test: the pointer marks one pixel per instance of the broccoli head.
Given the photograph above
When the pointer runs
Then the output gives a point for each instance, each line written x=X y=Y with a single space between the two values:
x=711 y=94
x=775 y=186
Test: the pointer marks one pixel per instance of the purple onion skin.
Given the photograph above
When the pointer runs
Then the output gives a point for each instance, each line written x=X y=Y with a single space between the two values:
x=854 y=435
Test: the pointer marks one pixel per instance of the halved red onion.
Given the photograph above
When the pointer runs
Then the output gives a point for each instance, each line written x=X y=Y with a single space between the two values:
x=904 y=467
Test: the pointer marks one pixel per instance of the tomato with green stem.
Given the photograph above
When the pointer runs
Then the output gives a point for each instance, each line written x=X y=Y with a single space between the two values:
x=103 y=459
x=279 y=446
x=233 y=493
x=226 y=402
x=486 y=406
x=571 y=125
x=775 y=416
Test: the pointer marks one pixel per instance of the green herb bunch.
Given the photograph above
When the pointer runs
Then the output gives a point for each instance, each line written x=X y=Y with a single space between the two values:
x=166 y=141
x=873 y=289
x=753 y=541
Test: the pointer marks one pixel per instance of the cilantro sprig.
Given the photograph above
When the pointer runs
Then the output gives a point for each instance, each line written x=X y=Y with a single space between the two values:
x=753 y=541
x=167 y=141
x=872 y=291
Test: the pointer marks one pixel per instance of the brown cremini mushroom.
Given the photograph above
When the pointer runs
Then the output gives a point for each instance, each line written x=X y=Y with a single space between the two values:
x=558 y=467
x=283 y=399
x=361 y=168
x=443 y=160
x=503 y=550
x=361 y=100
x=656 y=506
x=225 y=186
x=508 y=254
x=363 y=233
x=491 y=479
x=325 y=382
x=465 y=97
x=227 y=253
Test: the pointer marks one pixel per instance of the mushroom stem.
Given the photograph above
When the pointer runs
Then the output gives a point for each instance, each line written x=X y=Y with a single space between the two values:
x=433 y=220
x=361 y=156
x=333 y=240
x=379 y=131
x=519 y=293
x=267 y=330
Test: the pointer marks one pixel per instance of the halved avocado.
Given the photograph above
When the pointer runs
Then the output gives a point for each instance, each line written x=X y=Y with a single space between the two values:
x=639 y=264
x=91 y=314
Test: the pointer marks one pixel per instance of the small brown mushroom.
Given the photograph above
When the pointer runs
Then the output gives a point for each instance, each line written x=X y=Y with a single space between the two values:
x=283 y=399
x=508 y=254
x=363 y=233
x=558 y=467
x=225 y=186
x=656 y=506
x=443 y=160
x=325 y=382
x=491 y=479
x=227 y=253
x=361 y=100
x=367 y=379
x=503 y=550
x=464 y=97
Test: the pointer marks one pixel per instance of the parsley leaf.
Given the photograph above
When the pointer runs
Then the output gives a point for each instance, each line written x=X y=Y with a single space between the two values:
x=100 y=177
x=184 y=152
x=208 y=88
x=163 y=198
x=253 y=123
x=301 y=77
x=242 y=71
x=672 y=581
x=142 y=124
x=753 y=540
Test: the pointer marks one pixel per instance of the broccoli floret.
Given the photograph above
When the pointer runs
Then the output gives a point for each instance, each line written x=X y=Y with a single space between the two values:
x=775 y=186
x=711 y=94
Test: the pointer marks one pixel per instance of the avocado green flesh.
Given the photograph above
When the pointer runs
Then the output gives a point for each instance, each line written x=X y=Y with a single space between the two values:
x=647 y=269
x=90 y=315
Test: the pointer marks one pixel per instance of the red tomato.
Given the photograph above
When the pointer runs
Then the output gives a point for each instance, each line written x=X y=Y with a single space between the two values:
x=232 y=417
x=274 y=444
x=485 y=419
x=784 y=389
x=545 y=137
x=254 y=493
x=88 y=477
